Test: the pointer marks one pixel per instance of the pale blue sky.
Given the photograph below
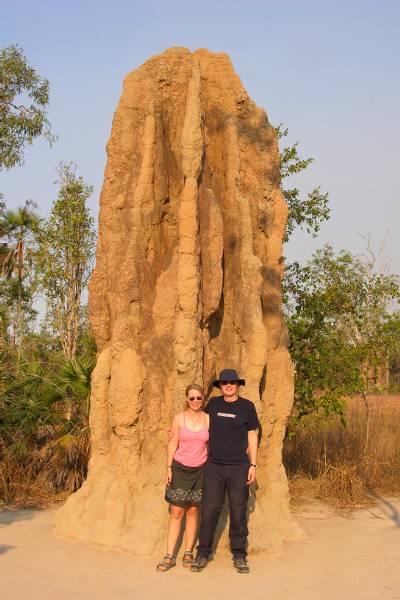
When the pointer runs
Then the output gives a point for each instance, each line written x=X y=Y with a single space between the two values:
x=328 y=70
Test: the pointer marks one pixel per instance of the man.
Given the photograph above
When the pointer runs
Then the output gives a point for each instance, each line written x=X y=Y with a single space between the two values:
x=231 y=467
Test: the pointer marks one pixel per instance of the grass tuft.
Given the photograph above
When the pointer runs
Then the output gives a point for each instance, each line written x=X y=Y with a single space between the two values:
x=346 y=464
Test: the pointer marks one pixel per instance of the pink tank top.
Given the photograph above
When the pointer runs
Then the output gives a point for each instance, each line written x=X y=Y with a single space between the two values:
x=192 y=449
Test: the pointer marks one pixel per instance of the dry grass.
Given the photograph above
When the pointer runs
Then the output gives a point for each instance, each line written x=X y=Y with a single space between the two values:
x=47 y=475
x=22 y=491
x=324 y=460
x=346 y=465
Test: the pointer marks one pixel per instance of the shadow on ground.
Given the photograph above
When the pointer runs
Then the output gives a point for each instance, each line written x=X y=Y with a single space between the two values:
x=5 y=548
x=10 y=515
x=387 y=507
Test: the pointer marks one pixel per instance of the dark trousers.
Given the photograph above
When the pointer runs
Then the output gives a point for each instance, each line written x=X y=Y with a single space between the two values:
x=217 y=480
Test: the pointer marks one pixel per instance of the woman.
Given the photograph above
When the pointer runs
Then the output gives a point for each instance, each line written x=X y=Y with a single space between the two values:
x=187 y=453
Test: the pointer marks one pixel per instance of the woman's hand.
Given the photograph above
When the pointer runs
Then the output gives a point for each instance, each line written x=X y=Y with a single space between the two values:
x=168 y=476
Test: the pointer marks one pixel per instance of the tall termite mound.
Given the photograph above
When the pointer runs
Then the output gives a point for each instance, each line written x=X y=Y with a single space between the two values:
x=187 y=281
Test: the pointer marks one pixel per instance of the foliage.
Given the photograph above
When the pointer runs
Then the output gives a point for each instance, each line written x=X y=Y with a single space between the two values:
x=338 y=309
x=44 y=432
x=330 y=459
x=341 y=322
x=307 y=212
x=17 y=276
x=86 y=342
x=65 y=254
x=44 y=398
x=24 y=96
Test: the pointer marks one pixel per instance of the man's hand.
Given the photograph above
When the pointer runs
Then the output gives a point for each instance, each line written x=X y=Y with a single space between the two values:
x=251 y=477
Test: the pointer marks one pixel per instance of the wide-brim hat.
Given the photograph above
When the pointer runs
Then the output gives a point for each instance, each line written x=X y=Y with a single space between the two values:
x=228 y=375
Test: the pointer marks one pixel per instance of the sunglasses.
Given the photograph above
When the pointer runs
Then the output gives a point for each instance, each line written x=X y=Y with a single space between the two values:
x=228 y=382
x=196 y=398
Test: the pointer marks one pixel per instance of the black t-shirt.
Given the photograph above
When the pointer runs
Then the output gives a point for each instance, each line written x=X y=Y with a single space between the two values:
x=229 y=424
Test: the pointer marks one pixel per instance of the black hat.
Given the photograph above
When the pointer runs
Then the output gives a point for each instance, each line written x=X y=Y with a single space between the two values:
x=228 y=375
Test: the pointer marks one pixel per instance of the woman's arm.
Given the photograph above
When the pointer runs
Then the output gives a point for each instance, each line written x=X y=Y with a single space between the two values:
x=172 y=446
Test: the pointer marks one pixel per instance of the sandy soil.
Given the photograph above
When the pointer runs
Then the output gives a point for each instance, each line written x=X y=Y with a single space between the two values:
x=355 y=556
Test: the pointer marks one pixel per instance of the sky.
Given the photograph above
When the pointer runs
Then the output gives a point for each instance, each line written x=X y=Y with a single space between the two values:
x=328 y=70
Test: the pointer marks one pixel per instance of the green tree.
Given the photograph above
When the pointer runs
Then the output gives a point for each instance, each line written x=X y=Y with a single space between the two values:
x=44 y=434
x=341 y=321
x=17 y=284
x=24 y=96
x=65 y=255
x=86 y=343
x=308 y=212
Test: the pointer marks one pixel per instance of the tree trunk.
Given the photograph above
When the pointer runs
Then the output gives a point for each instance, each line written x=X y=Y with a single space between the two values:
x=20 y=320
x=187 y=281
x=367 y=421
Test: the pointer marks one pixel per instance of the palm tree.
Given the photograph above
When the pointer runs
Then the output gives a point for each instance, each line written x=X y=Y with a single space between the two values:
x=65 y=457
x=16 y=256
x=44 y=430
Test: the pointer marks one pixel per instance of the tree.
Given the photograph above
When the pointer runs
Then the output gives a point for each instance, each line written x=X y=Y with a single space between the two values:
x=18 y=228
x=86 y=343
x=24 y=96
x=311 y=211
x=341 y=321
x=44 y=433
x=65 y=254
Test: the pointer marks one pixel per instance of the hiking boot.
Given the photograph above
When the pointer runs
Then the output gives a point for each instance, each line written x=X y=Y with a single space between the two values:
x=199 y=563
x=240 y=564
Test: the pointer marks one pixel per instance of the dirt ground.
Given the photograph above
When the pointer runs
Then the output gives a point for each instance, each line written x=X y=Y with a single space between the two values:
x=345 y=557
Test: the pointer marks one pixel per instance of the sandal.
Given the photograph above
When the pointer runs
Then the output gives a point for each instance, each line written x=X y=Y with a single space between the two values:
x=187 y=559
x=167 y=563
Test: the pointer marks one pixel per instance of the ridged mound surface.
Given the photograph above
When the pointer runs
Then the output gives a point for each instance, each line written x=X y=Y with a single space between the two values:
x=187 y=281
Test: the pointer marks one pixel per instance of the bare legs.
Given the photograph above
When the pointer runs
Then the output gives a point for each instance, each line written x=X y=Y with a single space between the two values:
x=192 y=519
x=174 y=527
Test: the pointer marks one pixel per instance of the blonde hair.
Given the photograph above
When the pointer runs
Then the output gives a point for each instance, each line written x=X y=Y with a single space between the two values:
x=194 y=386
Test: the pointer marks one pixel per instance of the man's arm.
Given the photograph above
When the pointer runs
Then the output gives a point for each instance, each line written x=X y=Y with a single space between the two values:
x=252 y=440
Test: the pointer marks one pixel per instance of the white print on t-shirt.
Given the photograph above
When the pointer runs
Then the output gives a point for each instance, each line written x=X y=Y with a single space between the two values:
x=226 y=415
